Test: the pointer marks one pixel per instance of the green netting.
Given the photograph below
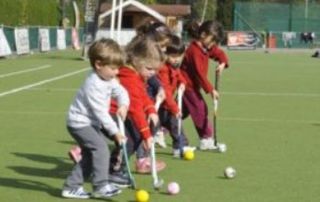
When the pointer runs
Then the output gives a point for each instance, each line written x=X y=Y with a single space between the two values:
x=68 y=37
x=277 y=16
x=9 y=33
x=34 y=38
x=53 y=37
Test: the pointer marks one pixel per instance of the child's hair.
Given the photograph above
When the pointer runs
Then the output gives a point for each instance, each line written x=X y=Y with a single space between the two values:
x=157 y=31
x=144 y=51
x=176 y=46
x=107 y=51
x=210 y=27
x=193 y=28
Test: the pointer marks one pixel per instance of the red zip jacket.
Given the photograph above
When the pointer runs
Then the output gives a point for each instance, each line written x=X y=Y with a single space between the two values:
x=170 y=79
x=194 y=68
x=218 y=55
x=140 y=103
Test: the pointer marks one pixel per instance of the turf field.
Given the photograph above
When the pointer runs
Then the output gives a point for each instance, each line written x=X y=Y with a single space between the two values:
x=269 y=117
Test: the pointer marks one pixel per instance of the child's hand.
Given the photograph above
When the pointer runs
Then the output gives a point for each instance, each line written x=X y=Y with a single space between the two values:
x=215 y=94
x=122 y=112
x=147 y=143
x=154 y=118
x=120 y=138
x=161 y=95
x=220 y=68
x=178 y=115
x=182 y=87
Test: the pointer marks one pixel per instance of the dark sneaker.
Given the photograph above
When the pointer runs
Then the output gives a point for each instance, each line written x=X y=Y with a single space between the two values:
x=106 y=191
x=119 y=179
x=78 y=193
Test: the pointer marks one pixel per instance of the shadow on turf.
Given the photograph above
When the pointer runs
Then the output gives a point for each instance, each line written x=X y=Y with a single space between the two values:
x=30 y=185
x=60 y=170
x=62 y=57
x=70 y=142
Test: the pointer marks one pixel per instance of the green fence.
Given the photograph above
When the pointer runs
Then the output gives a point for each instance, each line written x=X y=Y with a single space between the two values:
x=278 y=18
x=34 y=42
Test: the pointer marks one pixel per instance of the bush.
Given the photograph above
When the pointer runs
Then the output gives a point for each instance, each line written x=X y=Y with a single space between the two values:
x=29 y=12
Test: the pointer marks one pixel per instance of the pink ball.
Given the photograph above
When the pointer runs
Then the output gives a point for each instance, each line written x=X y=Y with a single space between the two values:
x=173 y=188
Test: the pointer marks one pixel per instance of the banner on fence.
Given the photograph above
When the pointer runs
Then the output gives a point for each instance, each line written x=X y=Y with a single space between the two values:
x=4 y=45
x=242 y=40
x=44 y=40
x=61 y=39
x=22 y=40
x=75 y=39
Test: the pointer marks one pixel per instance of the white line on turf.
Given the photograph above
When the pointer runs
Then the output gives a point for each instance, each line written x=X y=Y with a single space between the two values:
x=268 y=120
x=41 y=82
x=224 y=93
x=272 y=94
x=237 y=119
x=24 y=71
x=54 y=89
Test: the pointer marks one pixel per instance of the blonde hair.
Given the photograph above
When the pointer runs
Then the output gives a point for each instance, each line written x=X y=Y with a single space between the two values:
x=144 y=51
x=107 y=51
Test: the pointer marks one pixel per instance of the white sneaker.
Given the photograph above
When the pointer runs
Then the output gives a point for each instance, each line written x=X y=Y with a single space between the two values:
x=207 y=144
x=78 y=193
x=106 y=191
x=160 y=139
x=186 y=148
x=176 y=153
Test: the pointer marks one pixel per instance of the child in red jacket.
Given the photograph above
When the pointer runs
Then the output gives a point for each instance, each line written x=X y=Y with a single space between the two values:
x=195 y=70
x=144 y=57
x=171 y=79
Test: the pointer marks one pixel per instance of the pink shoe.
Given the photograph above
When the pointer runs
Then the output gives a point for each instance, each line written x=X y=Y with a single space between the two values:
x=75 y=154
x=143 y=165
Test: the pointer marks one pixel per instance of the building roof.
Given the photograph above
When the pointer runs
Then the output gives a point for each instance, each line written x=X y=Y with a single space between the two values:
x=134 y=3
x=172 y=10
x=177 y=10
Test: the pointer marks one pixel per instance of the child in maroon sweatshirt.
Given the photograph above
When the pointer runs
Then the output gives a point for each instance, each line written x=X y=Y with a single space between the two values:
x=195 y=70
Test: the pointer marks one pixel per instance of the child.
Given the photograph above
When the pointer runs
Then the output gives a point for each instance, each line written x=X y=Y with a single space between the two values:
x=144 y=57
x=171 y=79
x=195 y=70
x=215 y=52
x=88 y=116
x=159 y=33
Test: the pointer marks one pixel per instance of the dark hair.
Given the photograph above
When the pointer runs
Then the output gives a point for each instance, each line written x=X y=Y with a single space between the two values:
x=157 y=31
x=210 y=27
x=107 y=51
x=213 y=28
x=176 y=46
x=193 y=28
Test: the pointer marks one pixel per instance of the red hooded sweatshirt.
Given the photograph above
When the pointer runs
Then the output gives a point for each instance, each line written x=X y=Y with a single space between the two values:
x=170 y=79
x=140 y=103
x=194 y=68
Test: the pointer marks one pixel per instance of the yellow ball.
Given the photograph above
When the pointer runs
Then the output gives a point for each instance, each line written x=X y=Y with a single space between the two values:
x=188 y=155
x=142 y=196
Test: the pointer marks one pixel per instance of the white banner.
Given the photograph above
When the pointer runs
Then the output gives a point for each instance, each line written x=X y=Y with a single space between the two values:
x=4 y=46
x=61 y=39
x=22 y=40
x=44 y=39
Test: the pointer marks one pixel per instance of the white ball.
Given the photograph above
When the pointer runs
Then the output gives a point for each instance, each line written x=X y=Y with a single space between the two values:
x=173 y=188
x=229 y=172
x=222 y=147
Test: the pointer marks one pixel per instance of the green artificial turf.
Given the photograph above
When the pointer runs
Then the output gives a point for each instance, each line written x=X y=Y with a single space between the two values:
x=269 y=117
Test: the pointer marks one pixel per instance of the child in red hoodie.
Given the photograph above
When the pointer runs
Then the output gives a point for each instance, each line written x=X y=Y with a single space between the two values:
x=144 y=57
x=195 y=70
x=171 y=79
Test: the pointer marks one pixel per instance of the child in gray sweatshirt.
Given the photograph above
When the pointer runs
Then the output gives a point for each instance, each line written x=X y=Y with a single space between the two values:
x=89 y=114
